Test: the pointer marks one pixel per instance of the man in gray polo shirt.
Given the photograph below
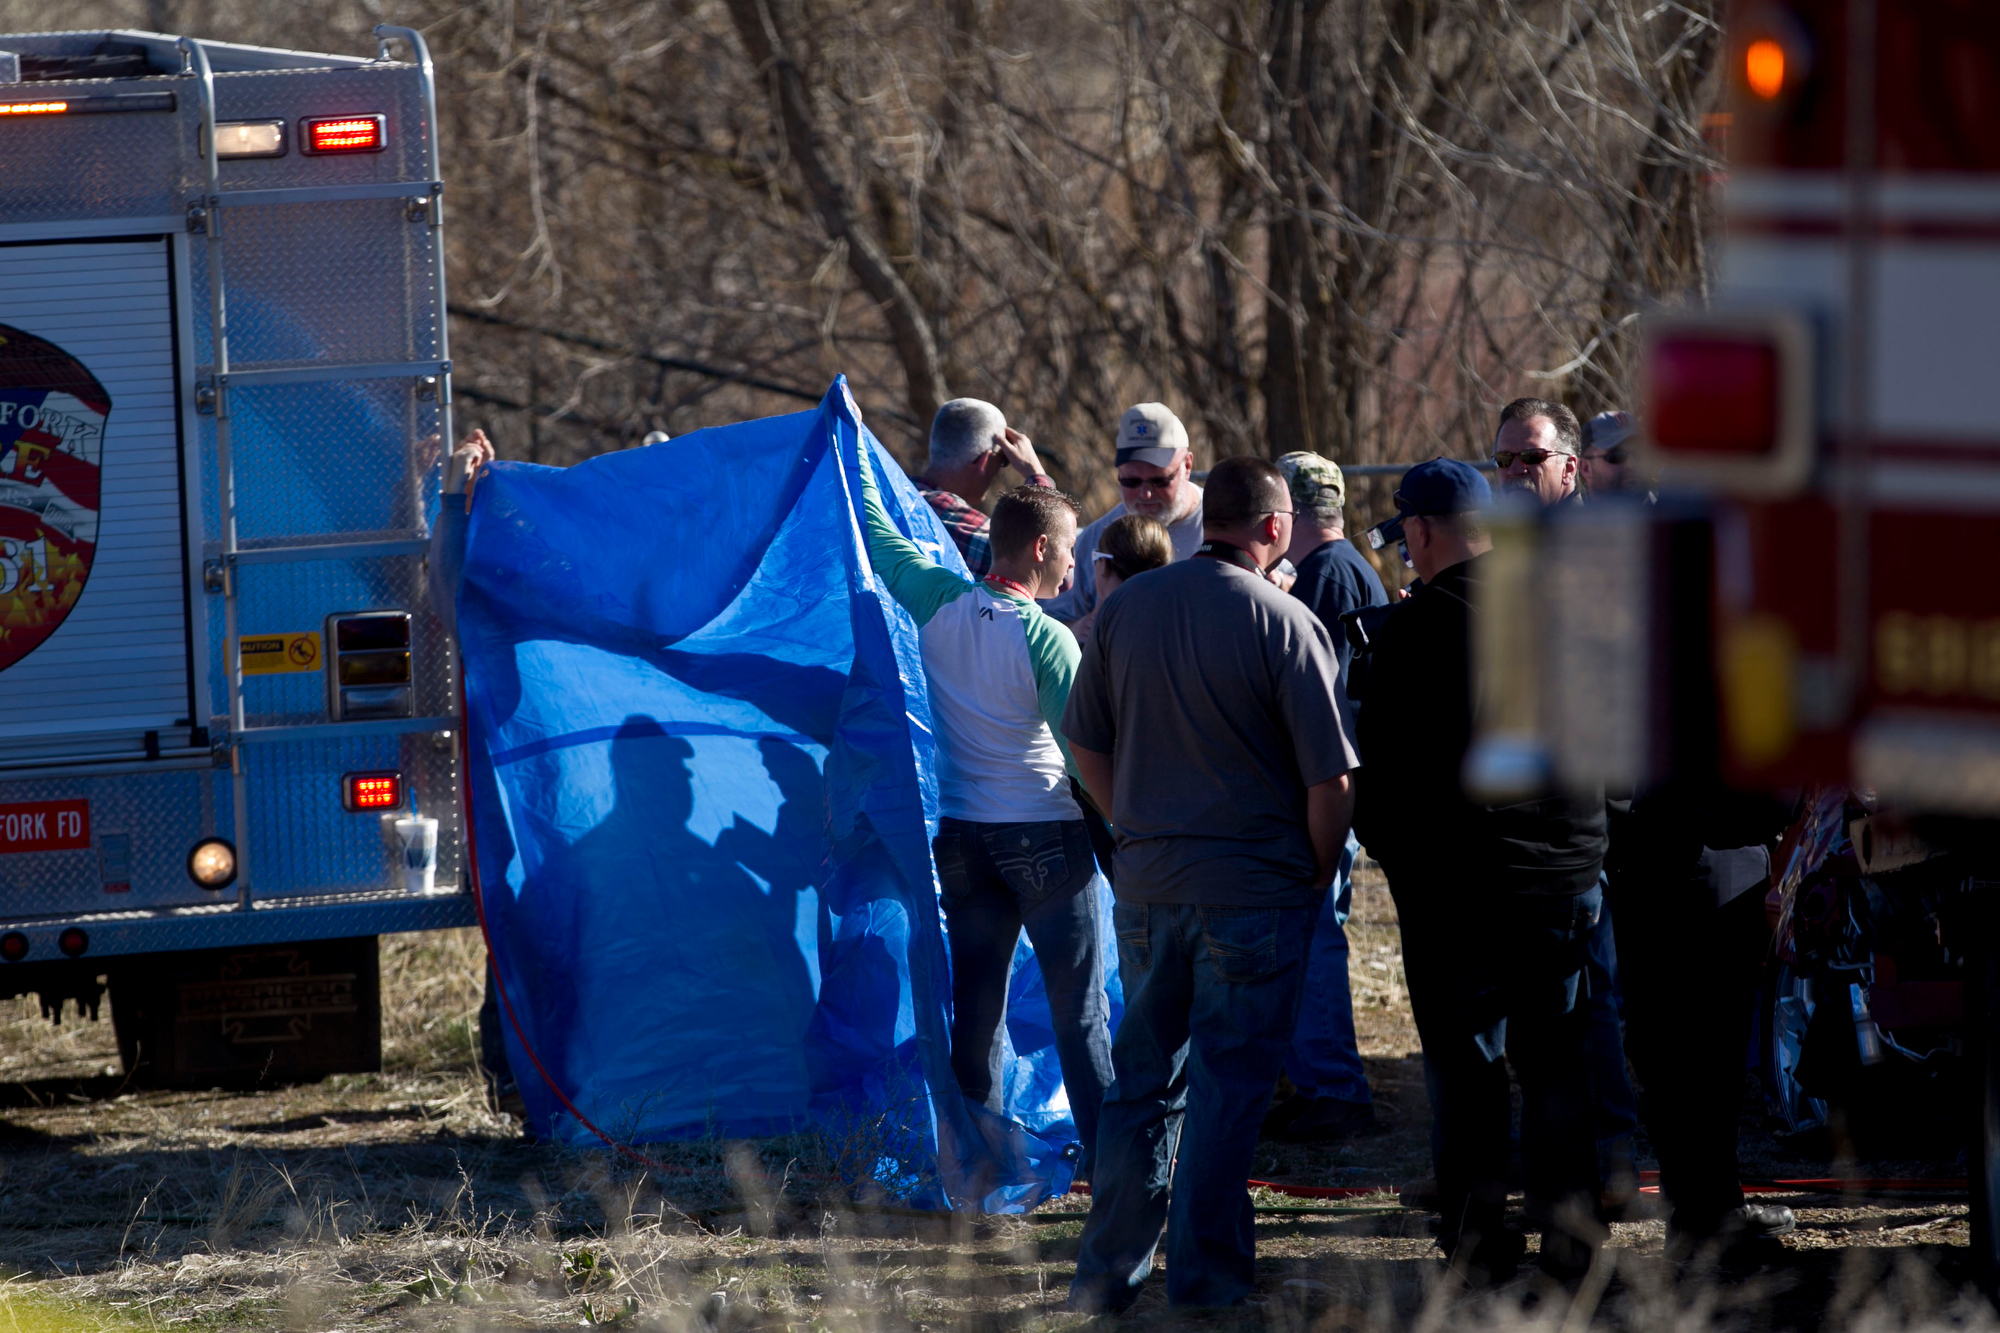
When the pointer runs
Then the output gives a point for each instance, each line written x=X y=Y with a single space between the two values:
x=1204 y=717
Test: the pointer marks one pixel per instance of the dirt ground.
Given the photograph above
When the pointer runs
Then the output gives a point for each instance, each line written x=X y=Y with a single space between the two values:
x=400 y=1201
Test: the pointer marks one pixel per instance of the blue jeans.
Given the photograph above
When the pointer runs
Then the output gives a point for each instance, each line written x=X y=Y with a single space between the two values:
x=1211 y=996
x=1617 y=1107
x=1502 y=978
x=1324 y=1060
x=998 y=878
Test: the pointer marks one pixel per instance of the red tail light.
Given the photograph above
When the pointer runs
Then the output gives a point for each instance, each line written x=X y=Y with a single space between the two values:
x=372 y=791
x=343 y=134
x=13 y=946
x=73 y=942
x=1729 y=401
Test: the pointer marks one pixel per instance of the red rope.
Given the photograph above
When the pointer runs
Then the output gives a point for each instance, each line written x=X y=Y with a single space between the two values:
x=1321 y=1191
x=479 y=902
x=1298 y=1191
x=1832 y=1185
x=1872 y=1185
x=1818 y=1185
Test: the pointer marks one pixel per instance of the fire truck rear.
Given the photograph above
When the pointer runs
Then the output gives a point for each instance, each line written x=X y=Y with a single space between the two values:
x=1810 y=607
x=230 y=707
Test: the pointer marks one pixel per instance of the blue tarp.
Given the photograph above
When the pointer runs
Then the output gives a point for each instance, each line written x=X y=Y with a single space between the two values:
x=704 y=794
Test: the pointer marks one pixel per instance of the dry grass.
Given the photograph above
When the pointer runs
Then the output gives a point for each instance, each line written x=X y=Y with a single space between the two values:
x=399 y=1201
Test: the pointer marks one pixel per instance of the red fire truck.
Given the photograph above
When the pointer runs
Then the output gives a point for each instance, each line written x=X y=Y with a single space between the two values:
x=1810 y=606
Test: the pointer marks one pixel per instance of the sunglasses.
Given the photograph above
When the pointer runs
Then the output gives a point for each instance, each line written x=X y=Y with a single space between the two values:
x=1504 y=458
x=1147 y=483
x=1615 y=455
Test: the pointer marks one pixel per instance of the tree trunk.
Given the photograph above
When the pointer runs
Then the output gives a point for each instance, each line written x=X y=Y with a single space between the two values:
x=765 y=28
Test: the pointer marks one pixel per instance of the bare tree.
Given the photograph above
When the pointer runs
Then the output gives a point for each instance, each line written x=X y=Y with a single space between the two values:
x=1353 y=226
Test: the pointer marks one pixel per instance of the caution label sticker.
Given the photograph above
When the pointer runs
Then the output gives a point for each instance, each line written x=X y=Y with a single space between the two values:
x=44 y=826
x=269 y=654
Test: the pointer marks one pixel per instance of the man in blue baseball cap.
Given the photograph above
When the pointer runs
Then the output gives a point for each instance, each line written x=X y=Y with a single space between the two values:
x=1441 y=488
x=1495 y=901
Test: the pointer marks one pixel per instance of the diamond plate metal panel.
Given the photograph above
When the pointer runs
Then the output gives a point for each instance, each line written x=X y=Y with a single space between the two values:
x=393 y=90
x=430 y=766
x=147 y=163
x=283 y=598
x=314 y=460
x=343 y=281
x=301 y=840
x=128 y=164
x=163 y=815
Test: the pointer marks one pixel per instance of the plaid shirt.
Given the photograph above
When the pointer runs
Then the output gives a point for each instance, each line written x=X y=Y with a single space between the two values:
x=969 y=527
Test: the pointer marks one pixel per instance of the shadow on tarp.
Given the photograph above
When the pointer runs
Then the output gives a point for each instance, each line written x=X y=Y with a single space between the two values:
x=704 y=794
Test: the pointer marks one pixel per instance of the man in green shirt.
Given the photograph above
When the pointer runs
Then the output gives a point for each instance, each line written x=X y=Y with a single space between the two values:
x=1012 y=850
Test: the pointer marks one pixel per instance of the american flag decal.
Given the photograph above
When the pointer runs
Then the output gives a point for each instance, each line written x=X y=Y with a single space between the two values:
x=52 y=416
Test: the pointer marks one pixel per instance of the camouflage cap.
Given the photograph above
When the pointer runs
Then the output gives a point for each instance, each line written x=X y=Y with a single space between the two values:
x=1311 y=478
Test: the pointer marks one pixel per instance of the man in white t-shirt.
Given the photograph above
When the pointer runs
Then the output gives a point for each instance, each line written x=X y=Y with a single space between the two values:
x=1011 y=848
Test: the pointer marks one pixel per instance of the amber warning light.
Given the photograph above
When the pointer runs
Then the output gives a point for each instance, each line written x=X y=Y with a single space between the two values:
x=89 y=104
x=1764 y=68
x=372 y=791
x=343 y=134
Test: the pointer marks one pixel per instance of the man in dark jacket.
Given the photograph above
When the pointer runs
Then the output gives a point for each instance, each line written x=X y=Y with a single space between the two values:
x=1495 y=900
x=1535 y=450
x=1689 y=867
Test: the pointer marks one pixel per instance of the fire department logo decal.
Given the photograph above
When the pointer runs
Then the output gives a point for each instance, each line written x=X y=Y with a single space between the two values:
x=52 y=415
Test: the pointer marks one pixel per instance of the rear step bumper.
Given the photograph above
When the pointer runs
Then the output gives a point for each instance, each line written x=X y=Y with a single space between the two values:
x=273 y=920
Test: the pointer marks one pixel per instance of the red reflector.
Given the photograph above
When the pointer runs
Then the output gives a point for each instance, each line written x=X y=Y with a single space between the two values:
x=372 y=791
x=73 y=942
x=13 y=946
x=1715 y=395
x=344 y=134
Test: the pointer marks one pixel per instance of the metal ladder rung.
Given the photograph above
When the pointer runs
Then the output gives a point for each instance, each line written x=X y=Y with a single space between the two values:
x=305 y=731
x=322 y=194
x=326 y=372
x=280 y=555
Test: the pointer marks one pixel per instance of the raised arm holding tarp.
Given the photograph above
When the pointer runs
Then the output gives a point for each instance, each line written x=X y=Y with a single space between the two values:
x=1011 y=848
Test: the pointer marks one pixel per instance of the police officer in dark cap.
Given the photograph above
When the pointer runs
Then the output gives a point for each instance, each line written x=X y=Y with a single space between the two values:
x=1495 y=901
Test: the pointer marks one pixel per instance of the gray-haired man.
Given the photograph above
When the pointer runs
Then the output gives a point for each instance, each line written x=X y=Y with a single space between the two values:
x=971 y=444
